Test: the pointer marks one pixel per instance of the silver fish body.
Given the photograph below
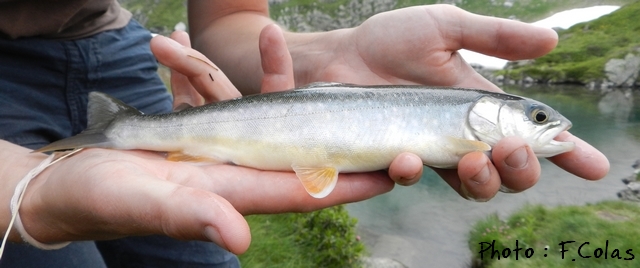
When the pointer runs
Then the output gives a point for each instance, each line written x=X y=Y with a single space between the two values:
x=324 y=129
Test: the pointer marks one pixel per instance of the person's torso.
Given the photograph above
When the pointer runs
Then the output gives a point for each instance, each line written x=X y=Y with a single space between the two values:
x=68 y=19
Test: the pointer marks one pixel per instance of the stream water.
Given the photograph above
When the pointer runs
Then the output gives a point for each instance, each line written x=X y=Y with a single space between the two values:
x=427 y=225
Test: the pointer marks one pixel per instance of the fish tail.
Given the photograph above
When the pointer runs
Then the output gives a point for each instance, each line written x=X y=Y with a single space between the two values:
x=102 y=111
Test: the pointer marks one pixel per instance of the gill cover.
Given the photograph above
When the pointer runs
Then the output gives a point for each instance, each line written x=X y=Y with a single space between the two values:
x=493 y=118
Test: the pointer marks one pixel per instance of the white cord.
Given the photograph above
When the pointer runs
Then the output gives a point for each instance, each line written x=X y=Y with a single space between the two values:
x=16 y=200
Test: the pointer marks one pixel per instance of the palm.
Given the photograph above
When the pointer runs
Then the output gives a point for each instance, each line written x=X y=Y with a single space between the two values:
x=110 y=194
x=418 y=45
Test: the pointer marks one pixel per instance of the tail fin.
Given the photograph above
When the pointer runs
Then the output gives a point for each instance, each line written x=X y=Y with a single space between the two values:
x=102 y=111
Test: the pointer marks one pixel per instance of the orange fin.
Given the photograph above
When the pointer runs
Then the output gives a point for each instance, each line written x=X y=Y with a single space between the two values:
x=182 y=157
x=318 y=182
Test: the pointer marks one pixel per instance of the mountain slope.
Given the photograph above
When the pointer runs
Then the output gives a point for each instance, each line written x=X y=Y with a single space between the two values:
x=584 y=49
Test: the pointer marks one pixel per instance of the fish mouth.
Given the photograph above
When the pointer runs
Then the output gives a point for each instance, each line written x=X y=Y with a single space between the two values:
x=548 y=146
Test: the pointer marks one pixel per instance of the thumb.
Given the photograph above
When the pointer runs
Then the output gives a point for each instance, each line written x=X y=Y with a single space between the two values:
x=198 y=214
x=276 y=60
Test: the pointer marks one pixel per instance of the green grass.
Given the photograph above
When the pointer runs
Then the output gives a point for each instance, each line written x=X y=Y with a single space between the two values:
x=273 y=243
x=158 y=16
x=324 y=238
x=610 y=225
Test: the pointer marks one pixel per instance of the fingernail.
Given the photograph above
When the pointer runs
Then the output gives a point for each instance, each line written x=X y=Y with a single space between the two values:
x=482 y=176
x=213 y=235
x=505 y=189
x=518 y=159
x=405 y=180
x=173 y=43
x=469 y=196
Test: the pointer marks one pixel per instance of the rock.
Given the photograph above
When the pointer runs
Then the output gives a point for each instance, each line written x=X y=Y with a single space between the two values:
x=302 y=18
x=617 y=104
x=628 y=180
x=634 y=186
x=636 y=165
x=369 y=262
x=528 y=80
x=632 y=193
x=623 y=72
x=180 y=26
x=629 y=195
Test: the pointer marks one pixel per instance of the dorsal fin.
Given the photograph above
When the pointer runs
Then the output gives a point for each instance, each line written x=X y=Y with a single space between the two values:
x=321 y=84
x=102 y=111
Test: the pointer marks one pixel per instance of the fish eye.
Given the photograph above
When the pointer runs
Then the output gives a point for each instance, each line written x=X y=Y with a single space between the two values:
x=539 y=116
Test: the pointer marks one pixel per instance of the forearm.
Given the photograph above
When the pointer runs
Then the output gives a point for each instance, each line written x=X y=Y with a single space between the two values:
x=232 y=43
x=227 y=33
x=16 y=162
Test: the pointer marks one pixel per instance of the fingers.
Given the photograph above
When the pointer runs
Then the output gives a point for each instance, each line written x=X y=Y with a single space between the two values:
x=203 y=75
x=180 y=212
x=277 y=64
x=514 y=166
x=181 y=88
x=518 y=166
x=507 y=39
x=190 y=213
x=479 y=179
x=257 y=192
x=406 y=169
x=584 y=160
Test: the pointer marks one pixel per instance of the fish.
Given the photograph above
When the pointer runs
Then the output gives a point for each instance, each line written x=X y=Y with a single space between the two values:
x=324 y=129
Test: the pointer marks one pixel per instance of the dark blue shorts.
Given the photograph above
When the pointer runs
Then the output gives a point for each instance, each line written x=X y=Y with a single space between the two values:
x=43 y=97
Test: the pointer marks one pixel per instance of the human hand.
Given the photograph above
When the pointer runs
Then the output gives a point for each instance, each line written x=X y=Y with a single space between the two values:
x=419 y=45
x=106 y=194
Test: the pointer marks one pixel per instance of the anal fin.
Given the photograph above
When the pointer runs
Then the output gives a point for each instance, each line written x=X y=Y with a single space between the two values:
x=318 y=182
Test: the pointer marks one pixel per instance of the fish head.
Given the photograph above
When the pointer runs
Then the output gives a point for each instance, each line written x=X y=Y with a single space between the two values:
x=494 y=117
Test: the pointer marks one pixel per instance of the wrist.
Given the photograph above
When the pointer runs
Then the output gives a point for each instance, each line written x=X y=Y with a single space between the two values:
x=16 y=162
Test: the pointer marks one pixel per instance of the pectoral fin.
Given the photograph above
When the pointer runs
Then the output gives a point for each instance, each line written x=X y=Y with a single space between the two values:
x=463 y=146
x=182 y=157
x=318 y=182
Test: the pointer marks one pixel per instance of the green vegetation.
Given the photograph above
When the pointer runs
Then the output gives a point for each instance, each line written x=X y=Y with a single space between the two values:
x=585 y=48
x=159 y=16
x=524 y=10
x=324 y=238
x=610 y=227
